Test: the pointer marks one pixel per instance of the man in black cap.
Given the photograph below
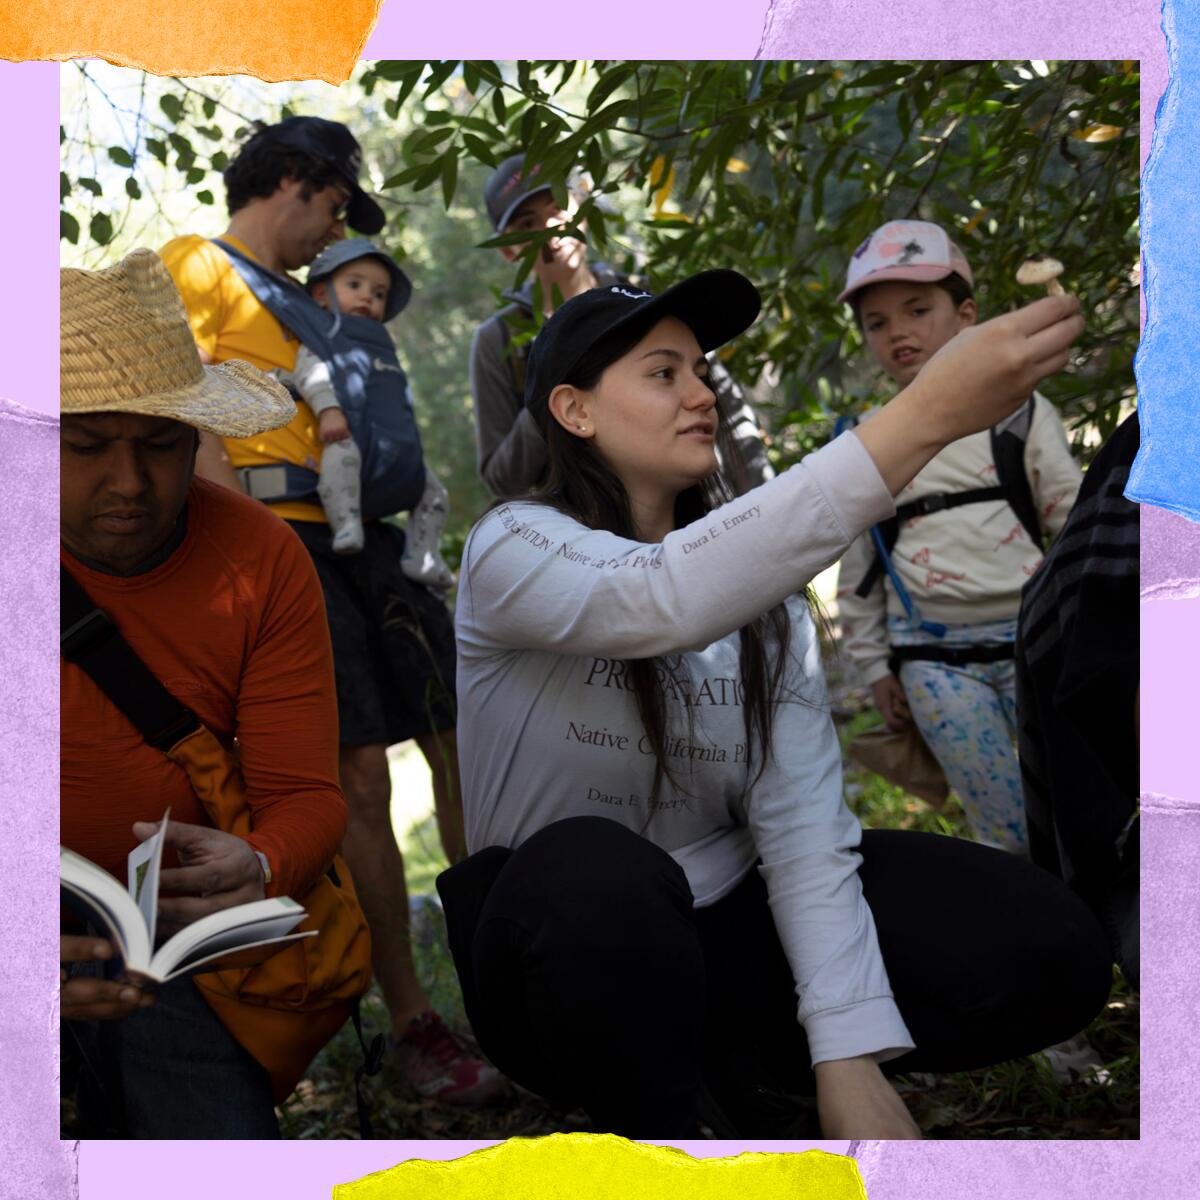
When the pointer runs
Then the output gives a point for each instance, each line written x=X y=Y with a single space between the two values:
x=292 y=189
x=510 y=450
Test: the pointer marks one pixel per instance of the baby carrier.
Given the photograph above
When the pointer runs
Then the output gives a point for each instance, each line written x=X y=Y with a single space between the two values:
x=371 y=387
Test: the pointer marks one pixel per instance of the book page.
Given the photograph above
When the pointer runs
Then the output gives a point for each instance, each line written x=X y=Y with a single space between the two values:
x=144 y=864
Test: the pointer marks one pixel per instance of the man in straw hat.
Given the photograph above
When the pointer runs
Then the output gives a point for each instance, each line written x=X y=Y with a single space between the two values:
x=221 y=602
x=291 y=191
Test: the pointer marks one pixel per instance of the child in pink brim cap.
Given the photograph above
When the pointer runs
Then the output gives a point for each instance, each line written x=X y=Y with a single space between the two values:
x=933 y=637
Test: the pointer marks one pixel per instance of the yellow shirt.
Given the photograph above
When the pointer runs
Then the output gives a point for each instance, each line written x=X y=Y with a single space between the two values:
x=228 y=321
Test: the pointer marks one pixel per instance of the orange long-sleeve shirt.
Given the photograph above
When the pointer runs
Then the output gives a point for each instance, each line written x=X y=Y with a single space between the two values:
x=233 y=624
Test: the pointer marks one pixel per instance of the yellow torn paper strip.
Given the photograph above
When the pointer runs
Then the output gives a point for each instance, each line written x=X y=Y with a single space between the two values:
x=306 y=39
x=586 y=1166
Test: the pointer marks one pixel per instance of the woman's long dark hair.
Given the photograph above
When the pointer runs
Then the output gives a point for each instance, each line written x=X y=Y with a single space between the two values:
x=581 y=485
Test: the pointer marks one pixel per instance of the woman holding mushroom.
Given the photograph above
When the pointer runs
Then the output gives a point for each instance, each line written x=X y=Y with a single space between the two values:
x=931 y=620
x=669 y=917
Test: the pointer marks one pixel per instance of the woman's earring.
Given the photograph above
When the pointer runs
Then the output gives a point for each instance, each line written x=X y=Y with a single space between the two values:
x=580 y=428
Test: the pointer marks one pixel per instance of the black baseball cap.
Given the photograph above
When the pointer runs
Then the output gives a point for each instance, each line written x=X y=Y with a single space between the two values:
x=715 y=305
x=332 y=143
x=508 y=187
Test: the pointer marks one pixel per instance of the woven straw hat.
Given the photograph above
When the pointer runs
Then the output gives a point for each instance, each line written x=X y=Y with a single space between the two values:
x=126 y=347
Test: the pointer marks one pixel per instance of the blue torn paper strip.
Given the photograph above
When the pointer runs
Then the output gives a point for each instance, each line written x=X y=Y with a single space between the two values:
x=1167 y=469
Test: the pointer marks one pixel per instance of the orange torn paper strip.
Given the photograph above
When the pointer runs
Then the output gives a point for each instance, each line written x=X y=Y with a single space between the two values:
x=588 y=1166
x=309 y=39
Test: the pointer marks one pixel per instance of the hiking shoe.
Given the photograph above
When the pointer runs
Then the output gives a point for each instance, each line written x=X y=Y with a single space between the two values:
x=438 y=1065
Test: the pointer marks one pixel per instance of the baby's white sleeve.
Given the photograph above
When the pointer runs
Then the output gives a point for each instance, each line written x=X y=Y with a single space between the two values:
x=312 y=380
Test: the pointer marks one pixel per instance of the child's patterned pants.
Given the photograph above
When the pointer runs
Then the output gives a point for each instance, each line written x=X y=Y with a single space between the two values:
x=967 y=715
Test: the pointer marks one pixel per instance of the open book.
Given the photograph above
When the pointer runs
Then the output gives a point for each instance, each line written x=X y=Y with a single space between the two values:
x=233 y=937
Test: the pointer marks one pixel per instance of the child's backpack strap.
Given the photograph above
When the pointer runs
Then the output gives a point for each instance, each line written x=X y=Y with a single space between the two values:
x=1008 y=441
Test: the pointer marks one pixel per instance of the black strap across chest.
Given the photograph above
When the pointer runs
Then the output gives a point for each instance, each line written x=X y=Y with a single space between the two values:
x=93 y=643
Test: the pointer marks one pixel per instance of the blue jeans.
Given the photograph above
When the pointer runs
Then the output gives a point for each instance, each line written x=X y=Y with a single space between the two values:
x=169 y=1071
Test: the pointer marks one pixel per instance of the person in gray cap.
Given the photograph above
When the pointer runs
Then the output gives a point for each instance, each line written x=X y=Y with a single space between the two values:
x=510 y=449
x=292 y=189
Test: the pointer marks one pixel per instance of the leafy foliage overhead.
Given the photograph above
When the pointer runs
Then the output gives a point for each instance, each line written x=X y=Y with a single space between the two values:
x=779 y=169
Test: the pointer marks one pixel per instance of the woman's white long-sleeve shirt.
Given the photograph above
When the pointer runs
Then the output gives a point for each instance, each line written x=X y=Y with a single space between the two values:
x=549 y=612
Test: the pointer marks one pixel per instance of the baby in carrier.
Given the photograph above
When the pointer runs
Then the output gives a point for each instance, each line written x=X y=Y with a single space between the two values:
x=356 y=278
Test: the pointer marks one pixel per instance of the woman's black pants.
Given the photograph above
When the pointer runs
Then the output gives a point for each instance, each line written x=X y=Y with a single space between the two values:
x=589 y=977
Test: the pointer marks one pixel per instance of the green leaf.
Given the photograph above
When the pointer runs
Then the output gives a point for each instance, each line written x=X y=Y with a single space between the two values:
x=68 y=227
x=530 y=123
x=180 y=144
x=172 y=106
x=480 y=149
x=101 y=228
x=606 y=118
x=480 y=126
x=64 y=185
x=132 y=188
x=597 y=230
x=157 y=148
x=120 y=156
x=205 y=196
x=432 y=139
x=210 y=107
x=889 y=73
x=499 y=107
x=533 y=239
x=609 y=82
x=90 y=185
x=438 y=75
x=399 y=70
x=195 y=175
x=449 y=176
x=219 y=161
x=407 y=176
x=818 y=183
x=405 y=90
x=802 y=85
x=471 y=78
x=428 y=172
x=488 y=71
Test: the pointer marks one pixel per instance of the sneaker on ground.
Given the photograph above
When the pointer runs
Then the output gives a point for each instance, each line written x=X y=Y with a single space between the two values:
x=1076 y=1058
x=438 y=1065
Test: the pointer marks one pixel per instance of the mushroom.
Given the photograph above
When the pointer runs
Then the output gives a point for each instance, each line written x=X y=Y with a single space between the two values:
x=1041 y=268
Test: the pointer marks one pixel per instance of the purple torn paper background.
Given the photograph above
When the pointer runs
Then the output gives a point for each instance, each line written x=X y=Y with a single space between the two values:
x=1167 y=1159
x=1170 y=555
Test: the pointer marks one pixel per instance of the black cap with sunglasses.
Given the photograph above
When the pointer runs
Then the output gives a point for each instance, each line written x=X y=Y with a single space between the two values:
x=330 y=142
x=716 y=305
